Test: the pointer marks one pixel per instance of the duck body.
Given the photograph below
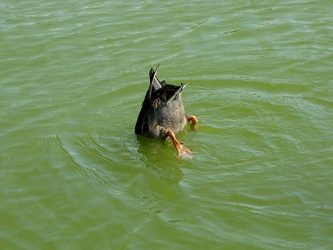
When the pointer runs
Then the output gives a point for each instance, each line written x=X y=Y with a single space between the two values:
x=162 y=114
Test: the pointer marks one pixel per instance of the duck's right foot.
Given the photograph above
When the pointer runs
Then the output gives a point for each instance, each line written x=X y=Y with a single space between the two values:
x=194 y=121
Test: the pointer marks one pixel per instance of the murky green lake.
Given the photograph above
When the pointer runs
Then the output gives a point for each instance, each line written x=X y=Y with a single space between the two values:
x=75 y=176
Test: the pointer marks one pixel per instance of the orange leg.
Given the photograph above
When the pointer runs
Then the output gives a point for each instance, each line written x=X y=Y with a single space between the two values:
x=183 y=152
x=194 y=121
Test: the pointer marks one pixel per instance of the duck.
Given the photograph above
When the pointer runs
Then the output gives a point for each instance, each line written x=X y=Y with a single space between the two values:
x=162 y=114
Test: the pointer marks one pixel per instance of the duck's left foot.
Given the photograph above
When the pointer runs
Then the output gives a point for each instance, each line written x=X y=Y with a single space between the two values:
x=183 y=152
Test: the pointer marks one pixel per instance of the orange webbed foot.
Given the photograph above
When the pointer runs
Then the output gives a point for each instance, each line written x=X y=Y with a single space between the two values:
x=183 y=152
x=194 y=121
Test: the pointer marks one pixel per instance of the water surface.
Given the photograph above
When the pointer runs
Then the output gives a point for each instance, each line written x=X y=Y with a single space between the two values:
x=75 y=176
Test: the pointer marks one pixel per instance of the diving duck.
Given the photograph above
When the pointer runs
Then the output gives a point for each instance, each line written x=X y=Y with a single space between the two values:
x=162 y=114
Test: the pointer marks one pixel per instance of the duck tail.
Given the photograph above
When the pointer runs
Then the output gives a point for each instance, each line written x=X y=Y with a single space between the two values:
x=155 y=84
x=176 y=93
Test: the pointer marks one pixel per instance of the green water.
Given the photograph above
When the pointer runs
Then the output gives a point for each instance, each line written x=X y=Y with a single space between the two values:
x=75 y=176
